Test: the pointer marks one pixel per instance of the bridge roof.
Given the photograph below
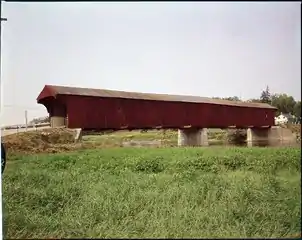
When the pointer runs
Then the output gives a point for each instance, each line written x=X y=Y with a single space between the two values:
x=53 y=91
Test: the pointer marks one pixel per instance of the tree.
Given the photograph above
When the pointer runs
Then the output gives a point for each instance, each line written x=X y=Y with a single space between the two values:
x=284 y=103
x=235 y=98
x=254 y=100
x=40 y=120
x=265 y=96
x=297 y=110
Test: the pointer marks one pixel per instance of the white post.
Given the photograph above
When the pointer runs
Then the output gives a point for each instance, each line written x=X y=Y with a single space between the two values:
x=26 y=120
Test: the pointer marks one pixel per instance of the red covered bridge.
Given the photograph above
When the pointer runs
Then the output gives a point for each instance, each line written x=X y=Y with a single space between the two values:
x=98 y=109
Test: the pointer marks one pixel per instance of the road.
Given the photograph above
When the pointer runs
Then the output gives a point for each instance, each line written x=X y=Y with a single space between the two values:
x=5 y=132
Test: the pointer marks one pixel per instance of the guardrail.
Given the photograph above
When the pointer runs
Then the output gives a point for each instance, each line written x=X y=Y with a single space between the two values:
x=28 y=126
x=18 y=129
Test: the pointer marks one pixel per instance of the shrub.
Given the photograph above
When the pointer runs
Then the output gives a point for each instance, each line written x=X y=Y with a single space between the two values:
x=150 y=165
x=237 y=136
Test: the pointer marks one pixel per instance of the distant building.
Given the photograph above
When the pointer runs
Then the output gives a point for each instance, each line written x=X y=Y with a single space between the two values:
x=285 y=118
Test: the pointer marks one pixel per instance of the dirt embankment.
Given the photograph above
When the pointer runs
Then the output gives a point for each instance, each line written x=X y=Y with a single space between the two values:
x=41 y=141
x=296 y=128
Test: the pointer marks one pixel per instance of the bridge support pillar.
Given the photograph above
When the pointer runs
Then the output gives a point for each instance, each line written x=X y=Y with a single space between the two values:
x=273 y=136
x=257 y=136
x=193 y=137
x=57 y=121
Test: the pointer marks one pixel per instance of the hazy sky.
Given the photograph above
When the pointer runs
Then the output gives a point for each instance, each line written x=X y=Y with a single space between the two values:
x=198 y=48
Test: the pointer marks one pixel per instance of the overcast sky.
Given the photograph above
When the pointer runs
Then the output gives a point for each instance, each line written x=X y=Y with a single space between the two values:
x=198 y=48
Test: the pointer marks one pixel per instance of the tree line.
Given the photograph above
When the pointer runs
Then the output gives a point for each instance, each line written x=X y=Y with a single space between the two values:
x=283 y=102
x=40 y=120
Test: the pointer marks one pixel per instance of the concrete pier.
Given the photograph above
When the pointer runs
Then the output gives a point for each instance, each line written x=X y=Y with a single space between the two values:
x=193 y=137
x=273 y=136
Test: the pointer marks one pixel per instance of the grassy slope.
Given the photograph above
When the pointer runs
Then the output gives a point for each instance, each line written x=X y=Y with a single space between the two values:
x=178 y=192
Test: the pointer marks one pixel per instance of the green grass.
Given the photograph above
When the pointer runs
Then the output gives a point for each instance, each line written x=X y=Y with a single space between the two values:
x=165 y=192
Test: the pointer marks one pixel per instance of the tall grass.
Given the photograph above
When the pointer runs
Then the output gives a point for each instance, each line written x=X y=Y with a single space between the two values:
x=178 y=192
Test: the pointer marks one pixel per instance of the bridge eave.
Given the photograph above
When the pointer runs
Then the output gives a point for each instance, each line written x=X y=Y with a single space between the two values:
x=46 y=92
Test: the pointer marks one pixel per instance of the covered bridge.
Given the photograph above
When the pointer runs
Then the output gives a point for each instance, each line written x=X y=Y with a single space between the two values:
x=99 y=109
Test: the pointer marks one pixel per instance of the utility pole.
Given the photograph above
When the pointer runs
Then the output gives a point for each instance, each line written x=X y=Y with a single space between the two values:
x=1 y=19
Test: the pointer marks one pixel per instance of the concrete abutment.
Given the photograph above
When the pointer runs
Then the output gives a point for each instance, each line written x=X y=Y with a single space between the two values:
x=57 y=121
x=268 y=136
x=272 y=136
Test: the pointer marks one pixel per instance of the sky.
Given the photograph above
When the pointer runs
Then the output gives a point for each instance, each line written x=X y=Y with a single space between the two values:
x=192 y=48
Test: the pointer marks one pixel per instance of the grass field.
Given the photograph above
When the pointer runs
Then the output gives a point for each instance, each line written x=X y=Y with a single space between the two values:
x=157 y=192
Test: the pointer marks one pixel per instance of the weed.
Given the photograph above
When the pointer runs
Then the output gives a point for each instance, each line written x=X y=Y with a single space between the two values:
x=156 y=193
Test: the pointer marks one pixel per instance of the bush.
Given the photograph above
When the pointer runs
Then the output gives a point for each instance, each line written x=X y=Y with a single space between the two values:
x=237 y=136
x=150 y=165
